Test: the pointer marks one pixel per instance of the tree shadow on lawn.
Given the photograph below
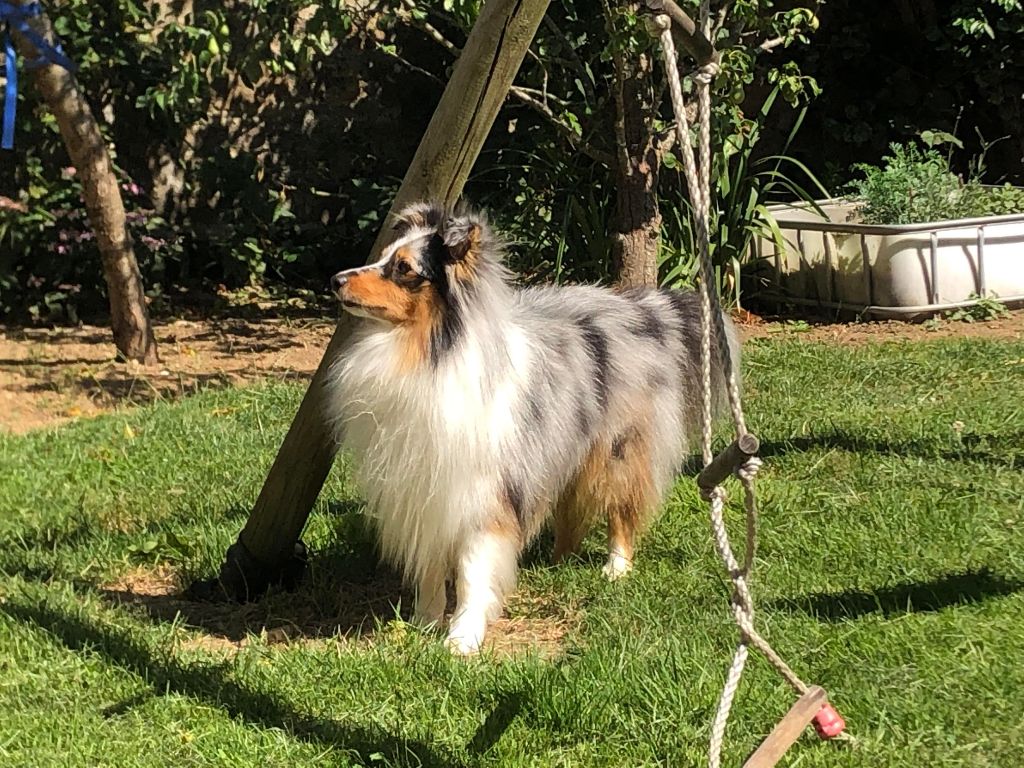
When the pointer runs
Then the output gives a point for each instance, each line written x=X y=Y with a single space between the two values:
x=347 y=592
x=215 y=683
x=952 y=589
x=997 y=450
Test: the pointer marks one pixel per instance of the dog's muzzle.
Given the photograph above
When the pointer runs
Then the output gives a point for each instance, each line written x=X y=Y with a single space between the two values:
x=338 y=283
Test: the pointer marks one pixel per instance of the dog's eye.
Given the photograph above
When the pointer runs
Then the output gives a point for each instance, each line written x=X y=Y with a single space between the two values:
x=403 y=268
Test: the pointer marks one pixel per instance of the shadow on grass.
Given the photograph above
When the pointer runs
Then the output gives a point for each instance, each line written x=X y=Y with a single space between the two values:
x=214 y=683
x=997 y=450
x=120 y=387
x=952 y=589
x=346 y=591
x=497 y=722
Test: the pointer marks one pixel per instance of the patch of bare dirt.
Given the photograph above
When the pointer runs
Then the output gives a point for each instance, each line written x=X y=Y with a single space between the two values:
x=48 y=377
x=1009 y=328
x=354 y=612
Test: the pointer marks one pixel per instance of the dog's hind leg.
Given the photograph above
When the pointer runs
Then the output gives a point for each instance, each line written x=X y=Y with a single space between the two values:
x=630 y=496
x=572 y=519
x=485 y=574
x=617 y=480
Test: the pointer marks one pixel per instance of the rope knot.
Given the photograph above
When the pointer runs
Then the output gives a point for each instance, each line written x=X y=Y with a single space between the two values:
x=749 y=469
x=716 y=494
x=657 y=24
x=706 y=74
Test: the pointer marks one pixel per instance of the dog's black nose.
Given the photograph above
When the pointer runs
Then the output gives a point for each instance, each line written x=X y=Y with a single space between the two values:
x=338 y=282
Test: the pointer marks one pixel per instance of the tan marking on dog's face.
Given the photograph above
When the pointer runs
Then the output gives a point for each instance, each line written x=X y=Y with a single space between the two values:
x=397 y=291
x=404 y=255
x=425 y=313
x=372 y=293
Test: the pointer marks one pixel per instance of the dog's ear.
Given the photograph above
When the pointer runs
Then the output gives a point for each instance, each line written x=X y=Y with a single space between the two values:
x=463 y=236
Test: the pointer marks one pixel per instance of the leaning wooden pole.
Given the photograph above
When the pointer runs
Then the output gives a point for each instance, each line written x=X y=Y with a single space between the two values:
x=267 y=549
x=133 y=333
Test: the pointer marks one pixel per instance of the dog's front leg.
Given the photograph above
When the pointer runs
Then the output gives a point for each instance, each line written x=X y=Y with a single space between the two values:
x=485 y=574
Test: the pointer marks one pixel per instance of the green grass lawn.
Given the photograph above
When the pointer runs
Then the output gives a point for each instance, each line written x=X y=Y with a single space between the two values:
x=890 y=571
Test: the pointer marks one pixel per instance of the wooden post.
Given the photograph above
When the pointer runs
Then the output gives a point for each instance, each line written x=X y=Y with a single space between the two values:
x=268 y=550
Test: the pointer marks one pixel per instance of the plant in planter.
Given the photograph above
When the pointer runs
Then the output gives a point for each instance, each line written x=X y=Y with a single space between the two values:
x=914 y=186
x=911 y=238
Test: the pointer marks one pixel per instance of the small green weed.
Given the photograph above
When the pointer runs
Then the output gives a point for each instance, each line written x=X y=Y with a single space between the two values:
x=164 y=546
x=791 y=326
x=986 y=308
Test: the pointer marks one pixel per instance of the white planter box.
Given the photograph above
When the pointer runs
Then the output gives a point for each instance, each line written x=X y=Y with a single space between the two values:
x=893 y=271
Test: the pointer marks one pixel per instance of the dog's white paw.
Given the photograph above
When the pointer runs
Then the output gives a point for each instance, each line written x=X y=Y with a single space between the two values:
x=462 y=646
x=616 y=567
x=466 y=635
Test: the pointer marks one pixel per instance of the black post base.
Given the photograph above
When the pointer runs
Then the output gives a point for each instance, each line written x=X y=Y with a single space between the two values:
x=244 y=579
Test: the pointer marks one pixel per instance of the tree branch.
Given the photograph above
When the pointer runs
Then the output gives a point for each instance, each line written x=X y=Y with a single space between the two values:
x=768 y=45
x=575 y=60
x=574 y=139
x=721 y=18
x=527 y=96
x=430 y=29
x=405 y=62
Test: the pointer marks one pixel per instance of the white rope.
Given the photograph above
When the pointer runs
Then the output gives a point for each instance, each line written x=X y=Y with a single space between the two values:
x=698 y=182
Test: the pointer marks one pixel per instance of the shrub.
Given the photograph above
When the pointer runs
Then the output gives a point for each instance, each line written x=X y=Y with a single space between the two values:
x=914 y=186
x=49 y=263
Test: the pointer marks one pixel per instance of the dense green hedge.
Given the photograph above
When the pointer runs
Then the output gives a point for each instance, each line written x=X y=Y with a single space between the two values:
x=259 y=141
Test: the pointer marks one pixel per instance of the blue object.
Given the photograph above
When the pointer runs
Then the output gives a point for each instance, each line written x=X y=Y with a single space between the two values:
x=16 y=17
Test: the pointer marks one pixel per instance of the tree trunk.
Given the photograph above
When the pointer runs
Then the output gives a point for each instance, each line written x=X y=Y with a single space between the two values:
x=133 y=334
x=637 y=223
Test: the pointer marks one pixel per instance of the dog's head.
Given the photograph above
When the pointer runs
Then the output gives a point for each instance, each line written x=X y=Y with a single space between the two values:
x=435 y=255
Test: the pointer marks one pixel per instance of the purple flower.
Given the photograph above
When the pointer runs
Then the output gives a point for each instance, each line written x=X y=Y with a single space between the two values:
x=152 y=243
x=63 y=250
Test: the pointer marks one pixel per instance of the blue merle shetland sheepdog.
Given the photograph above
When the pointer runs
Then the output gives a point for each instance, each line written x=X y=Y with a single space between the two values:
x=477 y=411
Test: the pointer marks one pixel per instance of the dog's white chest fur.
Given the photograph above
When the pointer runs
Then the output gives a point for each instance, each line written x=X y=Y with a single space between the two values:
x=428 y=443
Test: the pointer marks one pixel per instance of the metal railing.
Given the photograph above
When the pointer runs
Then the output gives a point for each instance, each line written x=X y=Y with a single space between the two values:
x=934 y=228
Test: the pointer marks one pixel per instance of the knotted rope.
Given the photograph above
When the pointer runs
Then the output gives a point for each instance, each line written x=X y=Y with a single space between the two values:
x=698 y=182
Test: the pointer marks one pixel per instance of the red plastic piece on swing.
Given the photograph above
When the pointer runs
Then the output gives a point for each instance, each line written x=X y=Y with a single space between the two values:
x=828 y=723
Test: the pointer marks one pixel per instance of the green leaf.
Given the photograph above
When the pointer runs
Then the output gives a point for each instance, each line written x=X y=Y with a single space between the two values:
x=935 y=138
